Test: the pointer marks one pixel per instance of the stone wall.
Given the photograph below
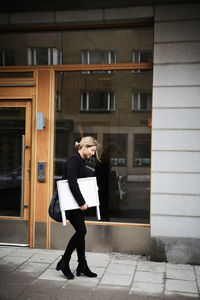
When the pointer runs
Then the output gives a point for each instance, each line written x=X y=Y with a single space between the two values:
x=175 y=189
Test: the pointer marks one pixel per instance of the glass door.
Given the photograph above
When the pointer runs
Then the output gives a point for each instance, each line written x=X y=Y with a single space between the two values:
x=15 y=138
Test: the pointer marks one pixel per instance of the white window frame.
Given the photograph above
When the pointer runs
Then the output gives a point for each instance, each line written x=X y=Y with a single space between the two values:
x=136 y=56
x=88 y=55
x=136 y=96
x=87 y=109
x=54 y=56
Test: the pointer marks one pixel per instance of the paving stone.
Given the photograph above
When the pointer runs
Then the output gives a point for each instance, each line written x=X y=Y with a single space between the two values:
x=83 y=281
x=145 y=297
x=13 y=260
x=31 y=296
x=76 y=293
x=51 y=274
x=180 y=274
x=24 y=252
x=178 y=266
x=151 y=266
x=149 y=277
x=47 y=285
x=197 y=273
x=30 y=274
x=19 y=278
x=44 y=257
x=97 y=259
x=181 y=286
x=197 y=270
x=121 y=269
x=5 y=251
x=141 y=288
x=10 y=264
x=104 y=292
x=31 y=267
x=180 y=296
x=44 y=287
x=116 y=279
x=11 y=291
x=99 y=271
x=124 y=262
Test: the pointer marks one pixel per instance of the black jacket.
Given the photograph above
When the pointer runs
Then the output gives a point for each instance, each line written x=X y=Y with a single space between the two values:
x=75 y=168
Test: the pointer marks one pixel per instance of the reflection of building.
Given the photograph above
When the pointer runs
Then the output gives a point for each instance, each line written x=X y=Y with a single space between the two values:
x=104 y=88
x=122 y=126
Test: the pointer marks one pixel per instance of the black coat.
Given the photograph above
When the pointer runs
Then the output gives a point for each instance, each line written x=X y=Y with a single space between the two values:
x=75 y=168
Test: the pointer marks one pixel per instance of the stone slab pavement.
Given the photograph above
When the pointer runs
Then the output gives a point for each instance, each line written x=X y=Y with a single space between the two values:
x=29 y=274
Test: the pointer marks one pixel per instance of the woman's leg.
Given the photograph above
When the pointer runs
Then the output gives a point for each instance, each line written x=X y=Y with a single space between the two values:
x=77 y=241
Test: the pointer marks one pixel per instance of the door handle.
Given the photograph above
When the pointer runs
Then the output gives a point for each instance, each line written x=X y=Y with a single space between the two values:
x=29 y=171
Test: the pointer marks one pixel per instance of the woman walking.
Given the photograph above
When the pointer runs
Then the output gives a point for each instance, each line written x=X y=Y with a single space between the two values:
x=75 y=168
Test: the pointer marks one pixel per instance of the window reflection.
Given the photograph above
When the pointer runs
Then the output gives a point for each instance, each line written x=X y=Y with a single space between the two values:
x=96 y=46
x=12 y=127
x=7 y=57
x=123 y=175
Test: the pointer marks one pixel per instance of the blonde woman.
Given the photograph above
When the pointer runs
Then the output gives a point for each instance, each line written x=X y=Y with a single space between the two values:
x=75 y=168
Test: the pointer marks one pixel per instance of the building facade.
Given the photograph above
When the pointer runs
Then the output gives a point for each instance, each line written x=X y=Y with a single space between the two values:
x=129 y=76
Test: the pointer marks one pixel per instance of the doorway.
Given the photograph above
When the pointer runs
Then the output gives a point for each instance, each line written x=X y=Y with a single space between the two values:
x=15 y=162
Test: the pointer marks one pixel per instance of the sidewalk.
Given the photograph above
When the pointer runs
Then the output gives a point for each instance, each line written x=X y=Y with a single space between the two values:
x=29 y=274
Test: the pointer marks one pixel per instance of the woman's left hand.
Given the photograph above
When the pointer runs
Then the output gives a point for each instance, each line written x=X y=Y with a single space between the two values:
x=84 y=207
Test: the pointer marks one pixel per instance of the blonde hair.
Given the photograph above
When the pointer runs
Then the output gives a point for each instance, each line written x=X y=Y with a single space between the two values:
x=88 y=141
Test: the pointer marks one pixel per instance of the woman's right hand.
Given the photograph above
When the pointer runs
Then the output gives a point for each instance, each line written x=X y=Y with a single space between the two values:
x=84 y=207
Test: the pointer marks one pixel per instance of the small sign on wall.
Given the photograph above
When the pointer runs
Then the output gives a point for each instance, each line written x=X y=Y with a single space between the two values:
x=40 y=121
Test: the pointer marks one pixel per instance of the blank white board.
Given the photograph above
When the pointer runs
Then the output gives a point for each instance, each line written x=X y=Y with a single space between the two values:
x=89 y=189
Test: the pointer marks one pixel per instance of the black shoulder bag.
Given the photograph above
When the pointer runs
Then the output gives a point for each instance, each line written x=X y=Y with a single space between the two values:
x=54 y=208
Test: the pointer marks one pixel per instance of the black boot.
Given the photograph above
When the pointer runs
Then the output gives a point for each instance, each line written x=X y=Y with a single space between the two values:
x=63 y=265
x=84 y=269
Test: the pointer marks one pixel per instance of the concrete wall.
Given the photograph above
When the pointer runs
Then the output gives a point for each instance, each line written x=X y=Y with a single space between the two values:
x=175 y=191
x=78 y=17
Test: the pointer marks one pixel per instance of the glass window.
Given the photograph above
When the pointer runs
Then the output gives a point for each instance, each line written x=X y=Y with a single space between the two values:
x=124 y=188
x=99 y=101
x=142 y=56
x=117 y=147
x=44 y=56
x=16 y=74
x=96 y=46
x=141 y=100
x=142 y=150
x=12 y=129
x=98 y=57
x=7 y=57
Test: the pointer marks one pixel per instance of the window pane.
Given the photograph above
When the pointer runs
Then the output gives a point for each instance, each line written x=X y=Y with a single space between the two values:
x=104 y=45
x=142 y=150
x=7 y=57
x=1 y=58
x=42 y=56
x=98 y=101
x=12 y=128
x=142 y=100
x=16 y=74
x=10 y=57
x=123 y=174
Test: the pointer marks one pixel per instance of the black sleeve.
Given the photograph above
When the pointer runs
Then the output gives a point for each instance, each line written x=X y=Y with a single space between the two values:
x=72 y=168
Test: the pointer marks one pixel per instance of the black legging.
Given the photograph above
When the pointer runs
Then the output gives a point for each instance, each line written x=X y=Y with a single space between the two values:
x=77 y=241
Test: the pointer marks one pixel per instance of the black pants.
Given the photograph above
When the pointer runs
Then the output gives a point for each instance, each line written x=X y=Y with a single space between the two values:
x=77 y=241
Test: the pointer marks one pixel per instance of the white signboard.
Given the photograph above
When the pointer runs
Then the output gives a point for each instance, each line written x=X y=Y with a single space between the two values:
x=89 y=189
